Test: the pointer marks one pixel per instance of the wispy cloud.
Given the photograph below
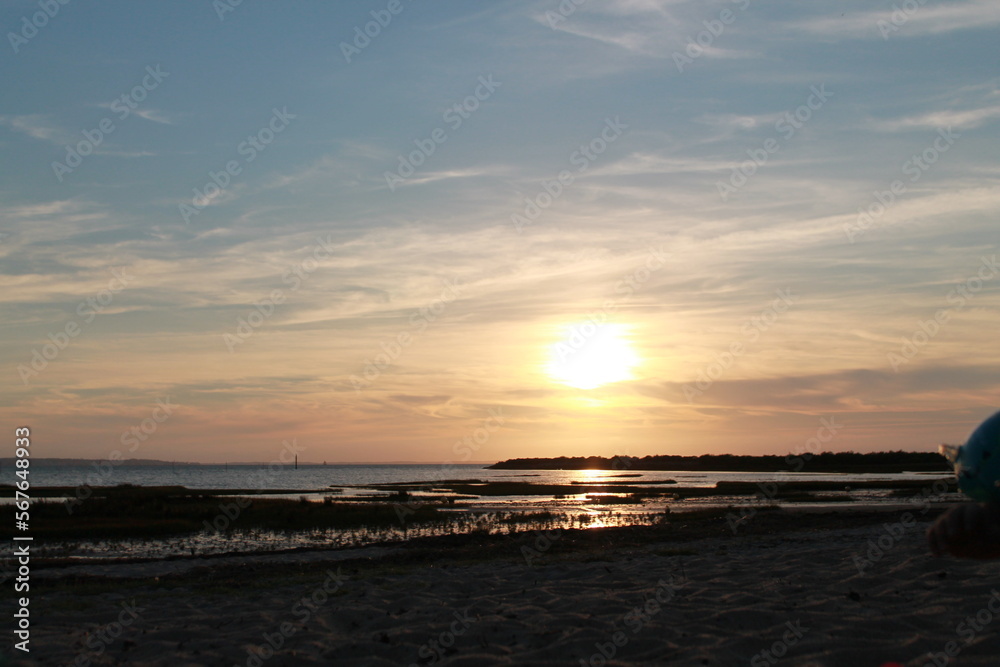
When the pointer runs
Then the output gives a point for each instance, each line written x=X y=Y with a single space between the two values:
x=42 y=209
x=37 y=126
x=859 y=390
x=654 y=163
x=435 y=176
x=155 y=116
x=127 y=154
x=309 y=214
x=354 y=163
x=956 y=118
x=221 y=196
x=644 y=27
x=927 y=19
x=736 y=121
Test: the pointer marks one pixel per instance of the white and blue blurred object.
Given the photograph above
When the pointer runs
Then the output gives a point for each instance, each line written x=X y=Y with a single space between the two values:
x=977 y=462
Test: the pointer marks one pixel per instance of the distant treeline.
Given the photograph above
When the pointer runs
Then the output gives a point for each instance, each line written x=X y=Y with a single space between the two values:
x=824 y=462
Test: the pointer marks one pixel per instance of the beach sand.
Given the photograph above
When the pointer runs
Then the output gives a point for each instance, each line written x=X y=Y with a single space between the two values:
x=789 y=588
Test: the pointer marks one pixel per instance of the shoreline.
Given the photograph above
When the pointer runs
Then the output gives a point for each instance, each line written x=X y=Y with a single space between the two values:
x=133 y=522
x=539 y=599
x=681 y=528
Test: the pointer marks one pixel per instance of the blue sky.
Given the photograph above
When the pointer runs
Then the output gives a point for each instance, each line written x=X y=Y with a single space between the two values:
x=259 y=314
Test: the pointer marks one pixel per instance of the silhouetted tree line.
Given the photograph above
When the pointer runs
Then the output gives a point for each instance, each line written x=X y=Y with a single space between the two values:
x=896 y=461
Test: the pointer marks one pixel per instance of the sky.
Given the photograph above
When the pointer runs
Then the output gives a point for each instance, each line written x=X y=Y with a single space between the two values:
x=466 y=231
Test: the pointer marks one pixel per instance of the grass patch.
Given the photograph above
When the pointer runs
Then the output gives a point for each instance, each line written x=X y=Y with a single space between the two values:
x=124 y=512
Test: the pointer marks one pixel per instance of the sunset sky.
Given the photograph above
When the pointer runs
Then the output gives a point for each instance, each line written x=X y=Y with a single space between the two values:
x=519 y=226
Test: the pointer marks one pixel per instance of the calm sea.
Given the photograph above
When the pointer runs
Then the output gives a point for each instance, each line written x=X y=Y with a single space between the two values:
x=315 y=481
x=320 y=477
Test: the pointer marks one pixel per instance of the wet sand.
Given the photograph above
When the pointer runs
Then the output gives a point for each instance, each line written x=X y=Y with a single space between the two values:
x=794 y=588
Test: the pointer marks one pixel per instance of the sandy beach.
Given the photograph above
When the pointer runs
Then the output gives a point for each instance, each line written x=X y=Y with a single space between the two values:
x=790 y=588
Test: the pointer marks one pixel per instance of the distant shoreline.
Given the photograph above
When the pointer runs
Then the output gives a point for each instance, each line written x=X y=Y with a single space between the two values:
x=875 y=462
x=847 y=462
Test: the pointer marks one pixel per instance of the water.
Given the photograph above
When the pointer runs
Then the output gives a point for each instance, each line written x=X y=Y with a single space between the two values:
x=240 y=476
x=497 y=514
x=259 y=541
x=320 y=477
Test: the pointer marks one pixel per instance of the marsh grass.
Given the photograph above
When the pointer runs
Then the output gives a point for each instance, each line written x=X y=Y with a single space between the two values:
x=156 y=522
x=130 y=511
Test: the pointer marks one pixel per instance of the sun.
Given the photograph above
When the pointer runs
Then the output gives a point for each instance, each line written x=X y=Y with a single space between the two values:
x=592 y=355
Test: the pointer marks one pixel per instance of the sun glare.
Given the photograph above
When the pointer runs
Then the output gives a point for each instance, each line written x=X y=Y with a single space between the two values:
x=592 y=355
